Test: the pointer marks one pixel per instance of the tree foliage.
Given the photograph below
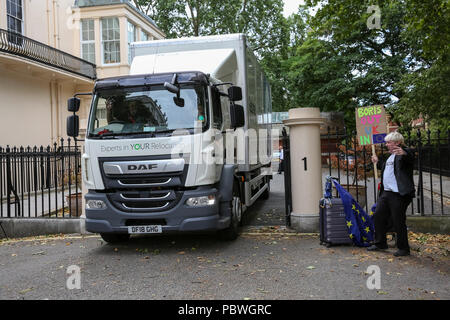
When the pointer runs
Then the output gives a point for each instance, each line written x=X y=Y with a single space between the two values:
x=427 y=88
x=327 y=56
x=403 y=64
x=261 y=20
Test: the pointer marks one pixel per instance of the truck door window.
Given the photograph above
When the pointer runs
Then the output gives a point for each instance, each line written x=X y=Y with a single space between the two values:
x=217 y=109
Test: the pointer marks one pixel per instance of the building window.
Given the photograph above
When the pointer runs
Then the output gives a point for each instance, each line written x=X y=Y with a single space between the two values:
x=132 y=37
x=110 y=40
x=144 y=36
x=14 y=16
x=88 y=40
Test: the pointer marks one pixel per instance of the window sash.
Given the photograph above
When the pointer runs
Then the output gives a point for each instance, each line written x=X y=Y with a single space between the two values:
x=132 y=37
x=144 y=36
x=110 y=40
x=87 y=30
x=87 y=36
x=14 y=14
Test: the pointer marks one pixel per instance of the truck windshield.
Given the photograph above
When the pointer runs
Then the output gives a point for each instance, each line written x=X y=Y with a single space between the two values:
x=147 y=110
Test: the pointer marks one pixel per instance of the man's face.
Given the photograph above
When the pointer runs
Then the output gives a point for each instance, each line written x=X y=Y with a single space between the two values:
x=392 y=145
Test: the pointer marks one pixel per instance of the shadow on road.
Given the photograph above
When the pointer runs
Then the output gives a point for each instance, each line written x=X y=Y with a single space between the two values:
x=270 y=212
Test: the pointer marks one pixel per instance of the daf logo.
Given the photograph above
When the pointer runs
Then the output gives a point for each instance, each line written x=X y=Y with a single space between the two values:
x=142 y=166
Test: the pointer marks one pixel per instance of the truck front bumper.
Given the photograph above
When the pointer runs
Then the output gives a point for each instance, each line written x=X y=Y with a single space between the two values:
x=177 y=219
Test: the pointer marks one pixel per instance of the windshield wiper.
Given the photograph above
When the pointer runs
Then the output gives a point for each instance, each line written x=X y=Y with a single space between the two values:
x=107 y=135
x=114 y=135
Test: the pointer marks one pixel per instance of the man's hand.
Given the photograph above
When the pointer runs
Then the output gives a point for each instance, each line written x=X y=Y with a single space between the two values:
x=398 y=151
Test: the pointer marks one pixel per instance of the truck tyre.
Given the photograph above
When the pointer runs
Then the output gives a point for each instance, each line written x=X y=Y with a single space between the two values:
x=232 y=232
x=115 y=237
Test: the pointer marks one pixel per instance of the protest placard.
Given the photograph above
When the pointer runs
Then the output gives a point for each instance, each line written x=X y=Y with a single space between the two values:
x=371 y=126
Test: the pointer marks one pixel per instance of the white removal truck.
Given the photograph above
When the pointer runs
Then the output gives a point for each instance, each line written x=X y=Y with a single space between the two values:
x=167 y=148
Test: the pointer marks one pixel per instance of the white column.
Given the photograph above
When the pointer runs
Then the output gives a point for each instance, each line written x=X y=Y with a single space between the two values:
x=306 y=167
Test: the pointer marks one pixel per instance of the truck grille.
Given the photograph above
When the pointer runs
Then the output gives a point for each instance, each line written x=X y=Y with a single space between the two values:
x=144 y=201
x=144 y=192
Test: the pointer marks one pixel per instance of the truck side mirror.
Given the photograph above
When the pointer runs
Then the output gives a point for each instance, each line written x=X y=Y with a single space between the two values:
x=73 y=104
x=237 y=116
x=73 y=126
x=235 y=93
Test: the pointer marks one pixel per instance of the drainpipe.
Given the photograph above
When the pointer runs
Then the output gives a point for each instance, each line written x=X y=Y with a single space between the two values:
x=51 y=111
x=55 y=25
x=48 y=23
x=58 y=112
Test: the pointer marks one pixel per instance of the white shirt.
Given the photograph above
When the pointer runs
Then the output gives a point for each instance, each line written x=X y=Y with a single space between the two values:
x=281 y=155
x=389 y=181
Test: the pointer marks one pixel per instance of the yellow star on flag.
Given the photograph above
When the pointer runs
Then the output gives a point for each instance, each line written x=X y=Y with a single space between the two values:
x=349 y=224
x=351 y=235
x=367 y=229
x=371 y=213
x=363 y=219
x=353 y=207
x=364 y=238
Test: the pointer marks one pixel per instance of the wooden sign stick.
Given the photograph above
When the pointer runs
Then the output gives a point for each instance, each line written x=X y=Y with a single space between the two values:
x=375 y=171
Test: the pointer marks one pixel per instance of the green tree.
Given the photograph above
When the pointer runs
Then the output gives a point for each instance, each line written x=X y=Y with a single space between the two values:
x=378 y=57
x=261 y=20
x=319 y=77
x=403 y=63
x=427 y=88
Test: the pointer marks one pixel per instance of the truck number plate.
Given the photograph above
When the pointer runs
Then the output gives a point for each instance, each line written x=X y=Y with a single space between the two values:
x=144 y=229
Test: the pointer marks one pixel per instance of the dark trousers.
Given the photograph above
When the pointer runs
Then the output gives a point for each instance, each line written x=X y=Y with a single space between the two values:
x=281 y=166
x=391 y=208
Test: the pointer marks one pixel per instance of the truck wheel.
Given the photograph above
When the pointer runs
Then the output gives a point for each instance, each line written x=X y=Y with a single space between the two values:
x=115 y=237
x=232 y=232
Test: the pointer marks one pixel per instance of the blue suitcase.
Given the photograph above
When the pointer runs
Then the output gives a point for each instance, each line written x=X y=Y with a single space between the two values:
x=333 y=228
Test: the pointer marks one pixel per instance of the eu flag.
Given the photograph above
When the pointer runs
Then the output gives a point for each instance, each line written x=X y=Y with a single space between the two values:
x=359 y=223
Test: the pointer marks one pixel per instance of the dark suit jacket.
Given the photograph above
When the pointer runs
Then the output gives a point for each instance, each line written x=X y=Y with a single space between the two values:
x=403 y=171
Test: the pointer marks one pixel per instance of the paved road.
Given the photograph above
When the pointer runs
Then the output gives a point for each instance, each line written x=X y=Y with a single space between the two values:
x=265 y=266
x=266 y=262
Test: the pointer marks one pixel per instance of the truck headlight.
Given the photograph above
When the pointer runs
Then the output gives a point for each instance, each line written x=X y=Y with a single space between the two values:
x=201 y=201
x=95 y=204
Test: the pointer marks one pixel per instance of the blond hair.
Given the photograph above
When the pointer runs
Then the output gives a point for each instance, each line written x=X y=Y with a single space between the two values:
x=394 y=136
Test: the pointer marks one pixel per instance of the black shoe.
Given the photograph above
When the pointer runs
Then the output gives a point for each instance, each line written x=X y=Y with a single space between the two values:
x=376 y=248
x=401 y=253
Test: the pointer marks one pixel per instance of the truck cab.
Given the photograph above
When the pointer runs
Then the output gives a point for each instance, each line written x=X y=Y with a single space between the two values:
x=160 y=152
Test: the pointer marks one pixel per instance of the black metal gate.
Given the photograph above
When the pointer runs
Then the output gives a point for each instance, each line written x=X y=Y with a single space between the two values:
x=350 y=164
x=38 y=182
x=287 y=176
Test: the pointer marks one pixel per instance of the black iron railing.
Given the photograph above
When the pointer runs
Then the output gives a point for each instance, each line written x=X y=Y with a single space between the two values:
x=19 y=45
x=286 y=167
x=37 y=182
x=351 y=164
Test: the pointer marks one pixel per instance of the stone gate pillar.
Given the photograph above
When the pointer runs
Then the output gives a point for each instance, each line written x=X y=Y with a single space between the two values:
x=306 y=167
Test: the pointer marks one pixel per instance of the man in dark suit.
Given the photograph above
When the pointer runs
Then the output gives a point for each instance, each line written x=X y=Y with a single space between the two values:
x=397 y=191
